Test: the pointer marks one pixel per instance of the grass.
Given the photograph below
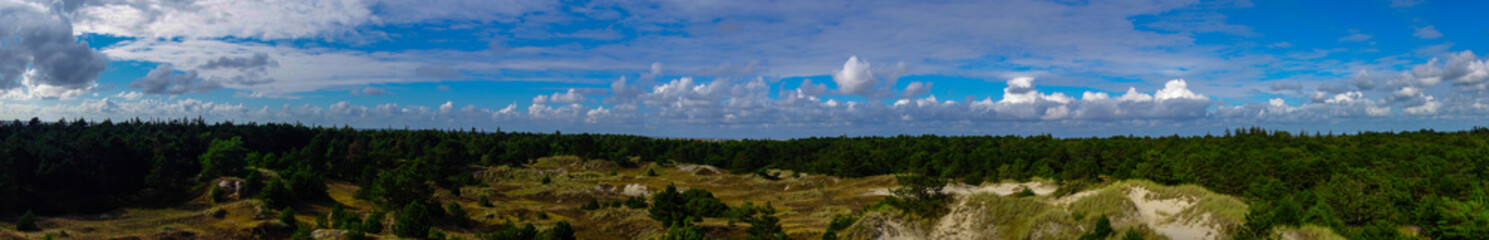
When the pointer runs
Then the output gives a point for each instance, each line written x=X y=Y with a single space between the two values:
x=1308 y=232
x=806 y=205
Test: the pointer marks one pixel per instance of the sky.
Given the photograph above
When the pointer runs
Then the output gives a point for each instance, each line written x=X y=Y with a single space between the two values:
x=755 y=69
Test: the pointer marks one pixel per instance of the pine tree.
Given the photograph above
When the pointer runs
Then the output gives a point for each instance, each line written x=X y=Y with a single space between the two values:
x=27 y=222
x=288 y=217
x=668 y=207
x=561 y=231
x=413 y=221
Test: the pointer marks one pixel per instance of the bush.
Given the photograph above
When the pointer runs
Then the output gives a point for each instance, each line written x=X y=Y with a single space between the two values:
x=27 y=222
x=635 y=203
x=1102 y=230
x=374 y=222
x=667 y=207
x=561 y=231
x=1025 y=193
x=275 y=194
x=457 y=215
x=688 y=232
x=591 y=205
x=302 y=233
x=288 y=217
x=412 y=221
x=1132 y=235
x=765 y=225
x=839 y=222
x=485 y=202
x=547 y=180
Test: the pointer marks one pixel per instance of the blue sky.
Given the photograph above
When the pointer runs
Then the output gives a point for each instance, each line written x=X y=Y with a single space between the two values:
x=756 y=69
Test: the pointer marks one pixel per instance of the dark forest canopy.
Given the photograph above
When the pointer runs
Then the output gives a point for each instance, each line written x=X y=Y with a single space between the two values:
x=1355 y=183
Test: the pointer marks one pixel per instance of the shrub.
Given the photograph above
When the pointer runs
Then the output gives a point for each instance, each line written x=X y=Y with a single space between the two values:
x=561 y=231
x=374 y=222
x=1025 y=193
x=1132 y=235
x=668 y=207
x=1102 y=230
x=688 y=232
x=275 y=194
x=27 y=222
x=302 y=233
x=457 y=215
x=288 y=217
x=412 y=221
x=485 y=202
x=591 y=205
x=635 y=203
x=765 y=225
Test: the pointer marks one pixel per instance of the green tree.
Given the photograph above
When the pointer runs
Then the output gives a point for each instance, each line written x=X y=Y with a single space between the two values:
x=1132 y=235
x=27 y=222
x=561 y=231
x=635 y=202
x=591 y=205
x=288 y=217
x=223 y=158
x=1102 y=230
x=457 y=215
x=275 y=194
x=764 y=225
x=684 y=232
x=667 y=206
x=413 y=221
x=485 y=202
x=374 y=222
x=302 y=233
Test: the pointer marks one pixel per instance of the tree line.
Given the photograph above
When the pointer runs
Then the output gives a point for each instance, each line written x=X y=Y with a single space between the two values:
x=1360 y=184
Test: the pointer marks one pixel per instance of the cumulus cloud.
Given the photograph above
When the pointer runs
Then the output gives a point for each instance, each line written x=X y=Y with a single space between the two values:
x=855 y=77
x=164 y=80
x=39 y=52
x=567 y=97
x=1463 y=69
x=915 y=89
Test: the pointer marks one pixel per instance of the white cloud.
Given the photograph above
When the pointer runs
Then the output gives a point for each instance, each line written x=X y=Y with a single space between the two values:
x=567 y=97
x=915 y=89
x=1428 y=32
x=855 y=77
x=129 y=95
x=260 y=19
x=311 y=68
x=1356 y=36
x=39 y=56
x=164 y=80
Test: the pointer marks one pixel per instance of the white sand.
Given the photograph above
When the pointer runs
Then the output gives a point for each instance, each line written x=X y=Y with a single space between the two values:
x=636 y=190
x=1160 y=214
x=1001 y=189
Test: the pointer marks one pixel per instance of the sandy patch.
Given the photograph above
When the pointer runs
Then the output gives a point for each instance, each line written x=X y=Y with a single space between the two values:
x=1161 y=215
x=1068 y=199
x=635 y=190
x=701 y=170
x=1001 y=189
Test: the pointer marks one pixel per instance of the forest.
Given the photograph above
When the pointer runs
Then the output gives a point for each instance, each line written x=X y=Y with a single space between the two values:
x=1364 y=185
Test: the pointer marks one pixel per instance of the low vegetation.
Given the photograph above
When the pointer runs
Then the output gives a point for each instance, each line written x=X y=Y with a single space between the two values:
x=166 y=177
